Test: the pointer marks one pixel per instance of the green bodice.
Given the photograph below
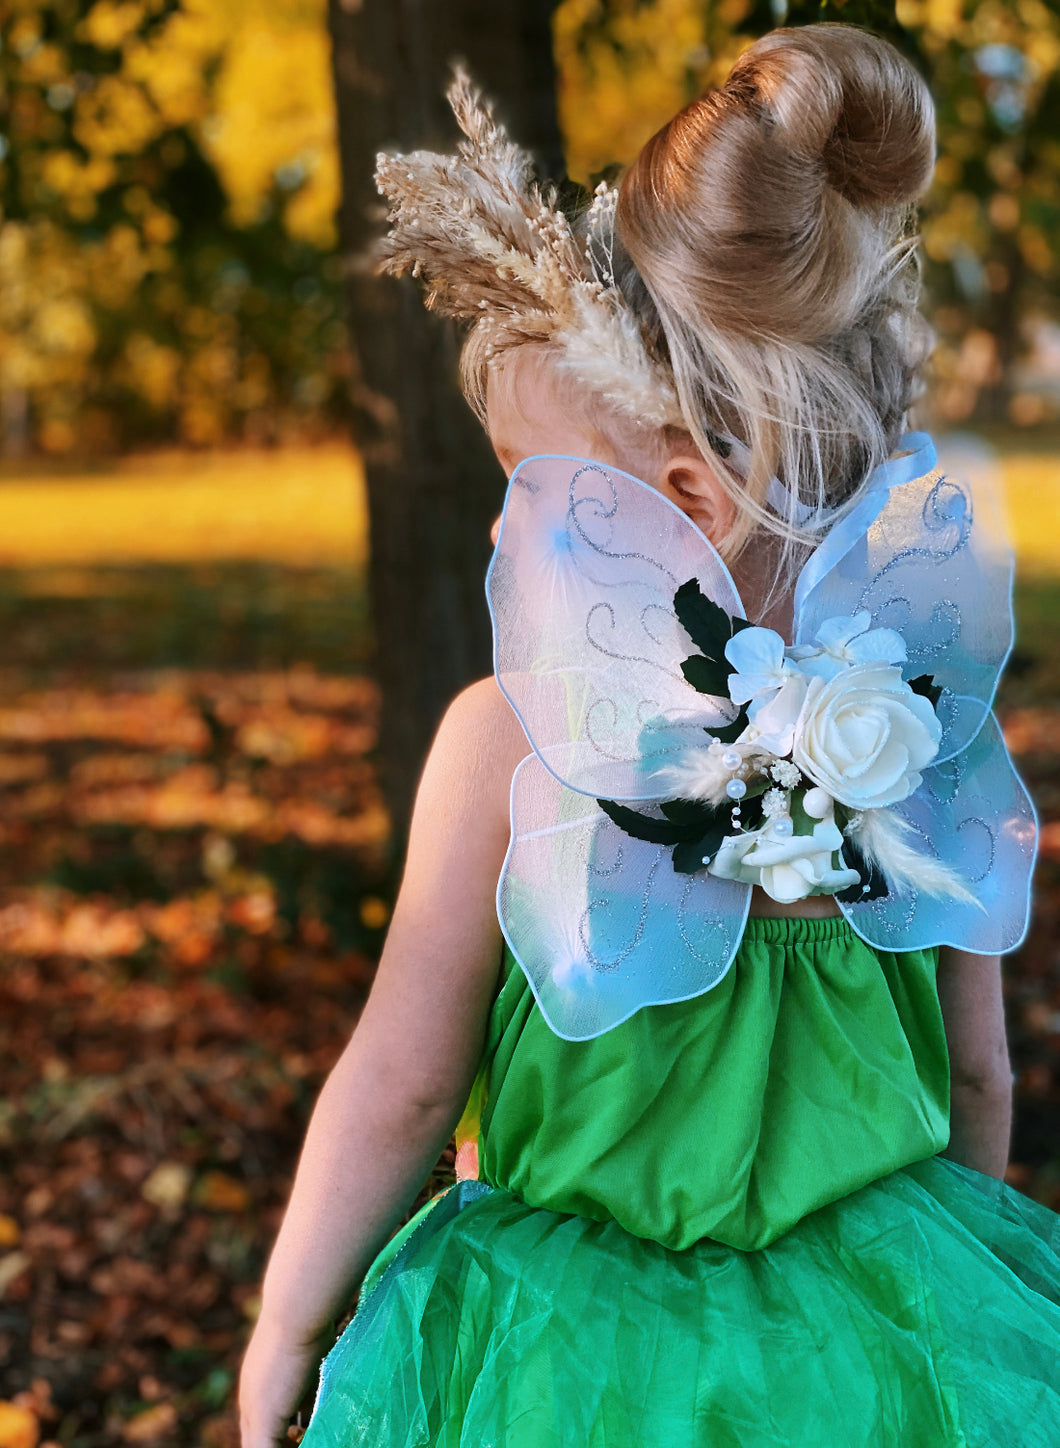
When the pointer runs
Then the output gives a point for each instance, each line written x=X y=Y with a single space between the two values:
x=817 y=1065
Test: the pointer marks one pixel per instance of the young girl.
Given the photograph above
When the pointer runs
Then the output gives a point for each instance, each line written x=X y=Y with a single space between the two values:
x=753 y=893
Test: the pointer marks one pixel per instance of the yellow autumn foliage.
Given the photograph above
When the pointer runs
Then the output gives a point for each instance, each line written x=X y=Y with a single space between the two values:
x=622 y=83
x=18 y=1426
x=274 y=116
x=251 y=86
x=254 y=80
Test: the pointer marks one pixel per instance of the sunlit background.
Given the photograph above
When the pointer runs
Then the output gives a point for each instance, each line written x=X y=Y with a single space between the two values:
x=193 y=880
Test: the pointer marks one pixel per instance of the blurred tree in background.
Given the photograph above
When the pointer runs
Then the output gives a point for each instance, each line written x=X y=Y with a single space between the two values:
x=433 y=484
x=168 y=185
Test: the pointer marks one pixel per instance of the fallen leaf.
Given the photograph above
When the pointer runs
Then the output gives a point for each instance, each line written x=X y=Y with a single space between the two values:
x=12 y=1266
x=219 y=1192
x=221 y=1431
x=152 y=1425
x=167 y=1186
x=18 y=1427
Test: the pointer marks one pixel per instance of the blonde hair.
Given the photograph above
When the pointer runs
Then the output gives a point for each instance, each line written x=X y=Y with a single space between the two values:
x=765 y=242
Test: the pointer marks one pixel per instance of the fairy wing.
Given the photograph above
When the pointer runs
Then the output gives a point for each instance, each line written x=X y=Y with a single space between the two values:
x=601 y=923
x=925 y=552
x=588 y=651
x=587 y=646
x=973 y=814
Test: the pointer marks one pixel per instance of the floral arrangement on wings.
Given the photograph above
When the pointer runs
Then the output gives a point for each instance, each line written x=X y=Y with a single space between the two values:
x=682 y=755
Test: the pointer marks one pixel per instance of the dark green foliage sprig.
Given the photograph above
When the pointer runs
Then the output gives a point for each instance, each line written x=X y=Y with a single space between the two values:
x=926 y=687
x=870 y=875
x=693 y=828
x=710 y=628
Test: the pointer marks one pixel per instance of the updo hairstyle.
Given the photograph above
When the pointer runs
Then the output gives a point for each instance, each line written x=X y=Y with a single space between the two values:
x=770 y=255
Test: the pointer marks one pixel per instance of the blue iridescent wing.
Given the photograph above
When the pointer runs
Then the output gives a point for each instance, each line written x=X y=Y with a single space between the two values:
x=587 y=646
x=925 y=553
x=600 y=923
x=973 y=813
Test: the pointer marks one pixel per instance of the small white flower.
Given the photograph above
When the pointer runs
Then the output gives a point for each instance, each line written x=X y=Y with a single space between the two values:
x=757 y=656
x=773 y=717
x=774 y=802
x=770 y=683
x=786 y=774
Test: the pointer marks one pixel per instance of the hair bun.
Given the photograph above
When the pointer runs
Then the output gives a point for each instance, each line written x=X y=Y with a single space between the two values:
x=768 y=223
x=849 y=99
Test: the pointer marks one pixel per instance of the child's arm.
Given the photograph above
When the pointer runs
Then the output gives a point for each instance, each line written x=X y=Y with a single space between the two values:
x=980 y=1074
x=393 y=1099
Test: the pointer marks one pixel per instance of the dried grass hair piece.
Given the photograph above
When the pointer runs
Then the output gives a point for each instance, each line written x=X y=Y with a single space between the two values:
x=492 y=246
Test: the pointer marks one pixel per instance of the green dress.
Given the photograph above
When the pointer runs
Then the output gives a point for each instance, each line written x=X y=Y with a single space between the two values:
x=722 y=1224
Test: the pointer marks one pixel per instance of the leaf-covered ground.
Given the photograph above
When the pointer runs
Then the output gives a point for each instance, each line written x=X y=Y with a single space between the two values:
x=193 y=886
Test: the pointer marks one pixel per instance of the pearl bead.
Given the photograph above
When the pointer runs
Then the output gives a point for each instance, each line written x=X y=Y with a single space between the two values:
x=732 y=759
x=784 y=827
x=736 y=789
x=817 y=803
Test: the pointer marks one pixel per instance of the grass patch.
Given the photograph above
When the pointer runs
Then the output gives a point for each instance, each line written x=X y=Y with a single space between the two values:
x=302 y=507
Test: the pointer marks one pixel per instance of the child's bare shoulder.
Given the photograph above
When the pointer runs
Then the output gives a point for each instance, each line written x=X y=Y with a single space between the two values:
x=485 y=721
x=479 y=743
x=482 y=709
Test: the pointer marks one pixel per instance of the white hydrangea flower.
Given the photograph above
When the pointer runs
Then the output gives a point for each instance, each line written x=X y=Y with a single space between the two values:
x=757 y=655
x=786 y=774
x=843 y=642
x=774 y=802
x=770 y=683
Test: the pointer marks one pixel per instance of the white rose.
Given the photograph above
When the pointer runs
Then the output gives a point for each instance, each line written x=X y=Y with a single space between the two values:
x=787 y=868
x=864 y=736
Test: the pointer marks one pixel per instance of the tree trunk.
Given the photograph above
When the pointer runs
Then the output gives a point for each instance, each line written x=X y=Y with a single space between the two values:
x=433 y=484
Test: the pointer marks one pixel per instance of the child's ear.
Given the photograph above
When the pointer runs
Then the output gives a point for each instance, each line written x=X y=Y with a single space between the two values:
x=690 y=482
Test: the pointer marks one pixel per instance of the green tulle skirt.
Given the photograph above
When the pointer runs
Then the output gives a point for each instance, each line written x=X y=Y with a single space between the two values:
x=921 y=1311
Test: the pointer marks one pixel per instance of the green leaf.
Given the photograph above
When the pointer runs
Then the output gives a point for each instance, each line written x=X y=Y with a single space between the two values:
x=695 y=813
x=707 y=676
x=924 y=684
x=688 y=857
x=643 y=827
x=707 y=624
x=870 y=875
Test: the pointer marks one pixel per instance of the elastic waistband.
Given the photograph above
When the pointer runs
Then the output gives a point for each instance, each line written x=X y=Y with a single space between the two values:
x=796 y=929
